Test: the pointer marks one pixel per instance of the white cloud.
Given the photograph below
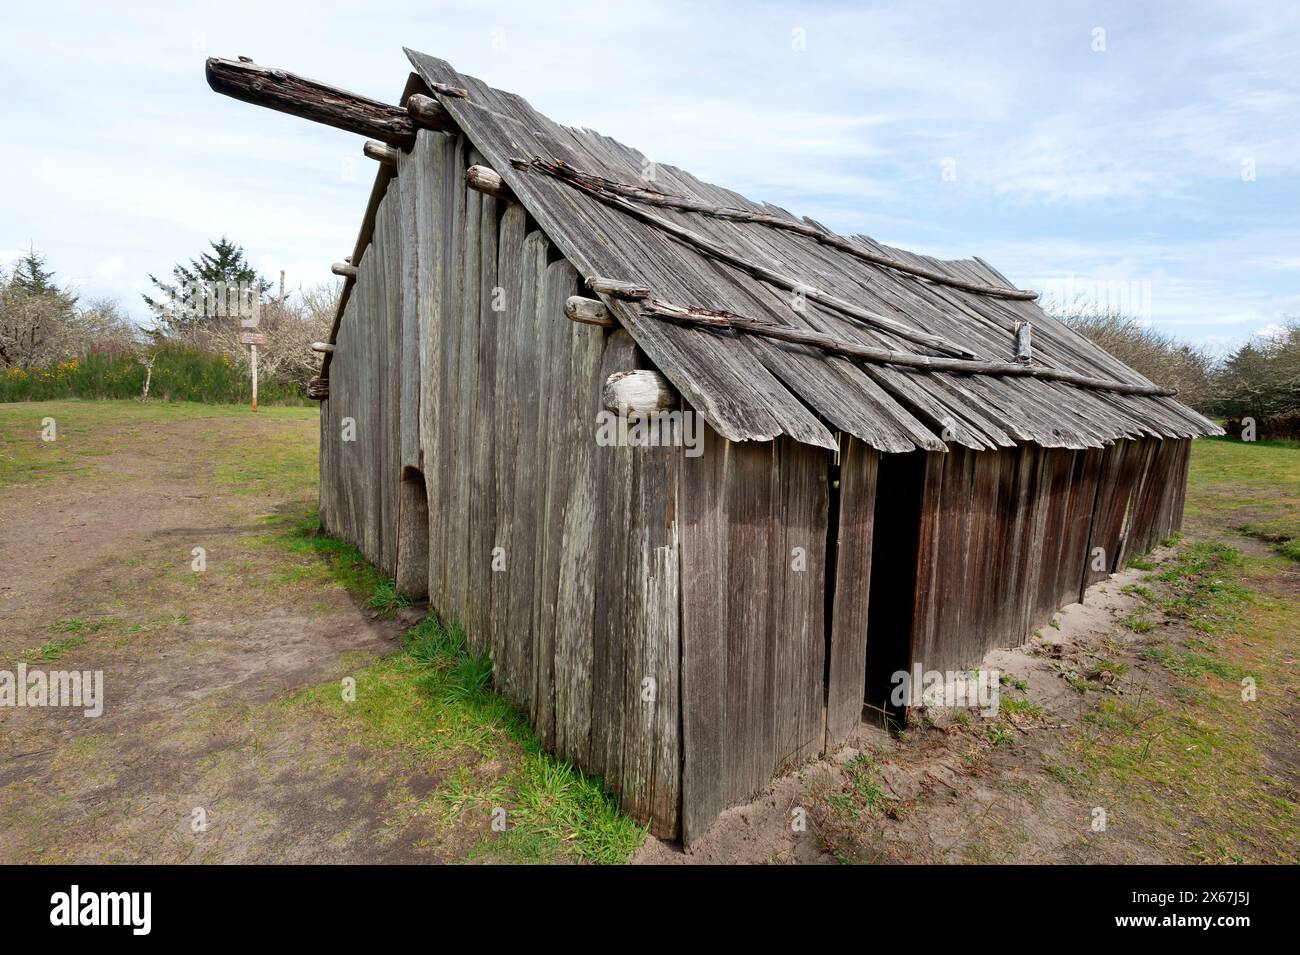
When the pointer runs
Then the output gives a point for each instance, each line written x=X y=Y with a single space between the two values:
x=117 y=159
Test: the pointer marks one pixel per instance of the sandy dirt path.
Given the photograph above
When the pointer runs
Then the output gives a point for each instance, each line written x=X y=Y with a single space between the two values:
x=189 y=761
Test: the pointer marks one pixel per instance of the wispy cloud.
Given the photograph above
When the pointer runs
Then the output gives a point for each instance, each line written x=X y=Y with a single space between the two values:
x=1170 y=156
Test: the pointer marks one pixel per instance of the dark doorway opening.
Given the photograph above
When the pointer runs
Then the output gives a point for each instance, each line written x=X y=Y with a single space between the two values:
x=894 y=543
x=413 y=535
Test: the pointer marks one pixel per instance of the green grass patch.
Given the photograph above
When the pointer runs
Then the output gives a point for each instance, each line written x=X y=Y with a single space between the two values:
x=1253 y=487
x=322 y=559
x=1139 y=623
x=53 y=650
x=1195 y=760
x=1074 y=779
x=433 y=703
x=861 y=793
x=999 y=734
x=86 y=431
x=179 y=374
x=1019 y=709
x=1200 y=586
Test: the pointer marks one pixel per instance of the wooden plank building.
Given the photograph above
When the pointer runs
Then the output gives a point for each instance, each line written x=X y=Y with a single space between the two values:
x=903 y=461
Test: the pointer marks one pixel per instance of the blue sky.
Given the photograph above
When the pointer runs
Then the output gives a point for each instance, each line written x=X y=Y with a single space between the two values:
x=1157 y=159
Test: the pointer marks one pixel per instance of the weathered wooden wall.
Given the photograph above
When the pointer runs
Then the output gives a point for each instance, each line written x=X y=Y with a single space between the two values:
x=754 y=550
x=685 y=627
x=1008 y=537
x=361 y=477
x=557 y=557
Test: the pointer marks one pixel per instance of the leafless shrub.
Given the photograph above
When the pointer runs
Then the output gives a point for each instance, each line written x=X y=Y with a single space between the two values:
x=290 y=323
x=1262 y=378
x=1161 y=358
x=41 y=328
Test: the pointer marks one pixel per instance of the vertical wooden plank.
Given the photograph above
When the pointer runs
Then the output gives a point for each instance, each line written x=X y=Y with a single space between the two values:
x=749 y=519
x=979 y=637
x=705 y=606
x=517 y=674
x=945 y=649
x=649 y=692
x=482 y=433
x=465 y=434
x=370 y=437
x=436 y=256
x=799 y=580
x=613 y=468
x=506 y=408
x=554 y=406
x=925 y=613
x=845 y=690
x=1005 y=541
x=411 y=181
x=570 y=684
x=663 y=629
x=448 y=382
x=378 y=369
x=391 y=237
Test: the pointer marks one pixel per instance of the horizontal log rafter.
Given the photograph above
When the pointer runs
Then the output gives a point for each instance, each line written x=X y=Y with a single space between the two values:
x=309 y=99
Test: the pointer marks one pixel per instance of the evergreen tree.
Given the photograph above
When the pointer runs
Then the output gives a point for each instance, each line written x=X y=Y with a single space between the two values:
x=31 y=277
x=185 y=302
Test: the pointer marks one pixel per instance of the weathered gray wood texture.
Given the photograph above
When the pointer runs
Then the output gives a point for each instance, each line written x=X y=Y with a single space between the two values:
x=660 y=617
x=559 y=558
x=1009 y=537
x=753 y=389
x=753 y=551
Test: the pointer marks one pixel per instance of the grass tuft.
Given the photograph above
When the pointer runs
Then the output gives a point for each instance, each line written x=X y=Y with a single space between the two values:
x=434 y=703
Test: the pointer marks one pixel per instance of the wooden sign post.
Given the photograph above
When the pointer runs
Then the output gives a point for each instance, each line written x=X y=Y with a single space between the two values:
x=252 y=340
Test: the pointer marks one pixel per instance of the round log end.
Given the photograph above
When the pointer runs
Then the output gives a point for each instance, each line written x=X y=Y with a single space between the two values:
x=589 y=311
x=381 y=153
x=638 y=394
x=488 y=181
x=427 y=111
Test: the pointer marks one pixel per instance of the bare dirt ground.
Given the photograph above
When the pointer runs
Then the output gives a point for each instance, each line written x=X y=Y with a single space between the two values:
x=206 y=751
x=102 y=553
x=949 y=795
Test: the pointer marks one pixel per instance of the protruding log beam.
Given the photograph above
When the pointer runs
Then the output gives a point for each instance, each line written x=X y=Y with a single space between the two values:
x=617 y=288
x=427 y=111
x=489 y=182
x=323 y=347
x=638 y=394
x=381 y=153
x=589 y=311
x=318 y=102
x=345 y=269
x=318 y=389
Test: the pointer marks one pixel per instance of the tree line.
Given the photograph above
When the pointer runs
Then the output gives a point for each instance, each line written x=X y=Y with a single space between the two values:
x=202 y=307
x=1260 y=379
x=50 y=337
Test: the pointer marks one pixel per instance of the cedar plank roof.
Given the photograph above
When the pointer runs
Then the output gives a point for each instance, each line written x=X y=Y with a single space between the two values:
x=751 y=388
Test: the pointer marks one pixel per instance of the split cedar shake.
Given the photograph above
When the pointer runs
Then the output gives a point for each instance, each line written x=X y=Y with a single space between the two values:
x=894 y=470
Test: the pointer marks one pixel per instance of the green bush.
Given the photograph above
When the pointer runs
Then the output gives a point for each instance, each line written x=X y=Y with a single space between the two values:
x=179 y=374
